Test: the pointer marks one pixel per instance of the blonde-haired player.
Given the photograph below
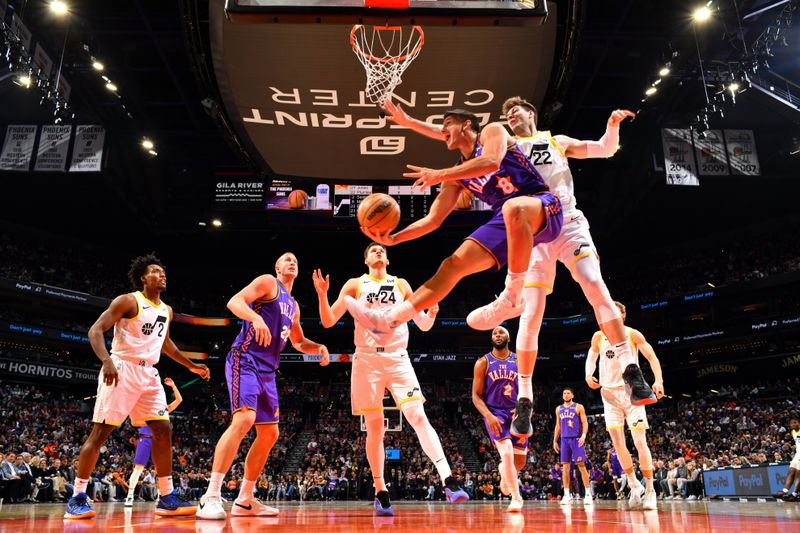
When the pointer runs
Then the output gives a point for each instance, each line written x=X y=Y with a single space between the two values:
x=618 y=409
x=385 y=366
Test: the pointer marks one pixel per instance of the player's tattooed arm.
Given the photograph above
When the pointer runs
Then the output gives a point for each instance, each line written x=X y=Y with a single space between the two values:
x=124 y=306
x=655 y=365
x=304 y=345
x=265 y=286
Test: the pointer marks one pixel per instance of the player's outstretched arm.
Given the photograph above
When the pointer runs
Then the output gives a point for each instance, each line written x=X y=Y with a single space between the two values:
x=398 y=115
x=175 y=354
x=606 y=146
x=330 y=314
x=655 y=365
x=178 y=398
x=591 y=361
x=304 y=345
x=442 y=206
x=124 y=306
x=478 y=376
x=494 y=140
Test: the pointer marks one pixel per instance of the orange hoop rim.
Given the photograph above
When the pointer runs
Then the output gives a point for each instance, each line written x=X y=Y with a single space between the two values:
x=398 y=59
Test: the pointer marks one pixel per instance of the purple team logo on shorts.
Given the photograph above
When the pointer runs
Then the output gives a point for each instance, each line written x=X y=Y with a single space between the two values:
x=571 y=452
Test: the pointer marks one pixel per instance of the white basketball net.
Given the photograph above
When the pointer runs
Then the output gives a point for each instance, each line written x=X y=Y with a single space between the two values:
x=385 y=52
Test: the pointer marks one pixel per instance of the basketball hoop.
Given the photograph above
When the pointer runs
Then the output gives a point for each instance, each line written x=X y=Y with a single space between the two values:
x=385 y=52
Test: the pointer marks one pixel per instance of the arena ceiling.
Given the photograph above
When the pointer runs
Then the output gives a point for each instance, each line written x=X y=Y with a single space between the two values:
x=606 y=55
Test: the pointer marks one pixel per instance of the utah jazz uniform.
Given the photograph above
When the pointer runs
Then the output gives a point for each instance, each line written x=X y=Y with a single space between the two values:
x=135 y=349
x=574 y=242
x=378 y=367
x=516 y=177
x=500 y=395
x=571 y=431
x=796 y=460
x=250 y=368
x=617 y=407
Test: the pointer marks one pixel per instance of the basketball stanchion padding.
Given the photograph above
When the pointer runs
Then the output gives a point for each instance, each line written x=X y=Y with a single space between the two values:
x=387 y=4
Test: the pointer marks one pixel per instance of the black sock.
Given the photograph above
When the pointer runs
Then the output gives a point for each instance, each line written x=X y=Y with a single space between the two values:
x=383 y=497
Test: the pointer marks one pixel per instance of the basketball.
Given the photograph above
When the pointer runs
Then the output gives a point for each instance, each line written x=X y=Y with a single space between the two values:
x=379 y=212
x=298 y=199
x=465 y=200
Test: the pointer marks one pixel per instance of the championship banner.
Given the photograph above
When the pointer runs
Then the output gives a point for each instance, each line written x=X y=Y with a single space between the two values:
x=742 y=152
x=87 y=154
x=47 y=372
x=53 y=146
x=18 y=148
x=42 y=61
x=679 y=157
x=712 y=159
x=20 y=30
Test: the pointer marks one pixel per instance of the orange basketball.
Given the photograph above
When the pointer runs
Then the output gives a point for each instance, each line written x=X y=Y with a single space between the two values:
x=298 y=199
x=379 y=212
x=465 y=200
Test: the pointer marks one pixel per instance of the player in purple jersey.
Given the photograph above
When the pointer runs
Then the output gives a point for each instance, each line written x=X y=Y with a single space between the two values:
x=270 y=318
x=617 y=473
x=571 y=426
x=494 y=394
x=144 y=445
x=526 y=214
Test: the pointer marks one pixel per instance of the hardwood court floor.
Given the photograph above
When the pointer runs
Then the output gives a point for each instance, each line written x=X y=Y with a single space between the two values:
x=351 y=517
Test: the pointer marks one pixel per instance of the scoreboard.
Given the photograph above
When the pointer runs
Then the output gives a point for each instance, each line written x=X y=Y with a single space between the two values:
x=413 y=203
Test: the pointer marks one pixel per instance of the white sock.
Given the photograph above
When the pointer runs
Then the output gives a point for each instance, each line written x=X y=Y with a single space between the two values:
x=137 y=471
x=80 y=485
x=525 y=386
x=785 y=491
x=165 y=485
x=509 y=473
x=622 y=352
x=246 y=490
x=215 y=484
x=633 y=481
x=400 y=314
x=514 y=283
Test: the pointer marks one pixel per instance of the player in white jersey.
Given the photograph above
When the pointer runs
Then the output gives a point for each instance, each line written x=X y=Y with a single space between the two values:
x=573 y=247
x=618 y=409
x=129 y=384
x=377 y=367
x=793 y=478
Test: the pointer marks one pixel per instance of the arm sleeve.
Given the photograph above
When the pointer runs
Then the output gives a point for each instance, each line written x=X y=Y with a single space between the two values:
x=606 y=146
x=591 y=362
x=423 y=321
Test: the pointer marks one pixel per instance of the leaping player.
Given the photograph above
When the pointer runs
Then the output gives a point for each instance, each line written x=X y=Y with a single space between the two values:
x=494 y=394
x=573 y=247
x=618 y=409
x=526 y=214
x=270 y=318
x=380 y=364
x=129 y=385
x=571 y=426
x=144 y=445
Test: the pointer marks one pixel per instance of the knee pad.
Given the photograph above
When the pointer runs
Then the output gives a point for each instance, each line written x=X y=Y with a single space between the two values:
x=531 y=321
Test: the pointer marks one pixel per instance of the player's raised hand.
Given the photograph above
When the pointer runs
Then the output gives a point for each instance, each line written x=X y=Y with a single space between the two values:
x=425 y=177
x=263 y=336
x=592 y=382
x=202 y=371
x=321 y=283
x=325 y=356
x=384 y=237
x=618 y=115
x=658 y=389
x=494 y=425
x=168 y=382
x=396 y=114
x=110 y=374
x=433 y=311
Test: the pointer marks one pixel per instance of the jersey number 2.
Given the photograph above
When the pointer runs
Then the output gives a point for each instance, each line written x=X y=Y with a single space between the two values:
x=508 y=390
